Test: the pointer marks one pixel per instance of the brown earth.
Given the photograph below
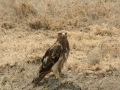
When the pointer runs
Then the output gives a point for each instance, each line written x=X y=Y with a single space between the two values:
x=27 y=31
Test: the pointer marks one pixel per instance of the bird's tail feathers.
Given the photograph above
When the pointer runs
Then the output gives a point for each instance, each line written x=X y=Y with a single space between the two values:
x=38 y=79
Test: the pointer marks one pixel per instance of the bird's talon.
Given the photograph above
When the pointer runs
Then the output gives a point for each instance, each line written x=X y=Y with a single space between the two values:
x=57 y=76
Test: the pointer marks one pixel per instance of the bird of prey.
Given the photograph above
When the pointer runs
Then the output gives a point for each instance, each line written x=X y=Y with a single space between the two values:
x=54 y=58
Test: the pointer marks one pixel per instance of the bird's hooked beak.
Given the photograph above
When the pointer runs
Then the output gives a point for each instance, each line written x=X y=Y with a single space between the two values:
x=63 y=34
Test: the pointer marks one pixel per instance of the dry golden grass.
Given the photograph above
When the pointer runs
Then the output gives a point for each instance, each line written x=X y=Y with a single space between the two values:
x=88 y=24
x=60 y=14
x=29 y=27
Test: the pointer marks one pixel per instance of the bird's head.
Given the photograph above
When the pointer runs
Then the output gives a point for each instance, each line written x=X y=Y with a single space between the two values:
x=62 y=35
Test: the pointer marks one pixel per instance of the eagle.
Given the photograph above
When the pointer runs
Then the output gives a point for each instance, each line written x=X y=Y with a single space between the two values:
x=54 y=58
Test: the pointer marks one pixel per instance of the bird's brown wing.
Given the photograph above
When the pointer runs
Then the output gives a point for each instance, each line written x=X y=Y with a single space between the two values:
x=51 y=57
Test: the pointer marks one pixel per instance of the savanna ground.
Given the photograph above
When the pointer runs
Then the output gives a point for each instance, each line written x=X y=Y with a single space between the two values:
x=29 y=27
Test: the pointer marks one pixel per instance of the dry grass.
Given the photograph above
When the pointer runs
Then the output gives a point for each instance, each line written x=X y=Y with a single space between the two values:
x=28 y=28
x=88 y=21
x=60 y=14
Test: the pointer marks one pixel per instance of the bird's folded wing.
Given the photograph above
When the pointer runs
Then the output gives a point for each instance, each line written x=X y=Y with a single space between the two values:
x=52 y=55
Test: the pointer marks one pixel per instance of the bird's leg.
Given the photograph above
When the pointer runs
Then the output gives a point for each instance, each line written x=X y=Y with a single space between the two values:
x=60 y=72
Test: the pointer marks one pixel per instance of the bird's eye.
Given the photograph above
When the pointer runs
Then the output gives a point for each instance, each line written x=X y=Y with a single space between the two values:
x=59 y=33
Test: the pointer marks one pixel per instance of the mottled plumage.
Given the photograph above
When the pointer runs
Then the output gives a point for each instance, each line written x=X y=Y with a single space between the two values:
x=54 y=58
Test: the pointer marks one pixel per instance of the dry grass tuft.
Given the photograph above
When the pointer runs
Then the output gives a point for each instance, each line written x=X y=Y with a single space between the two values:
x=23 y=9
x=34 y=60
x=94 y=56
x=103 y=30
x=111 y=48
x=8 y=25
x=35 y=25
